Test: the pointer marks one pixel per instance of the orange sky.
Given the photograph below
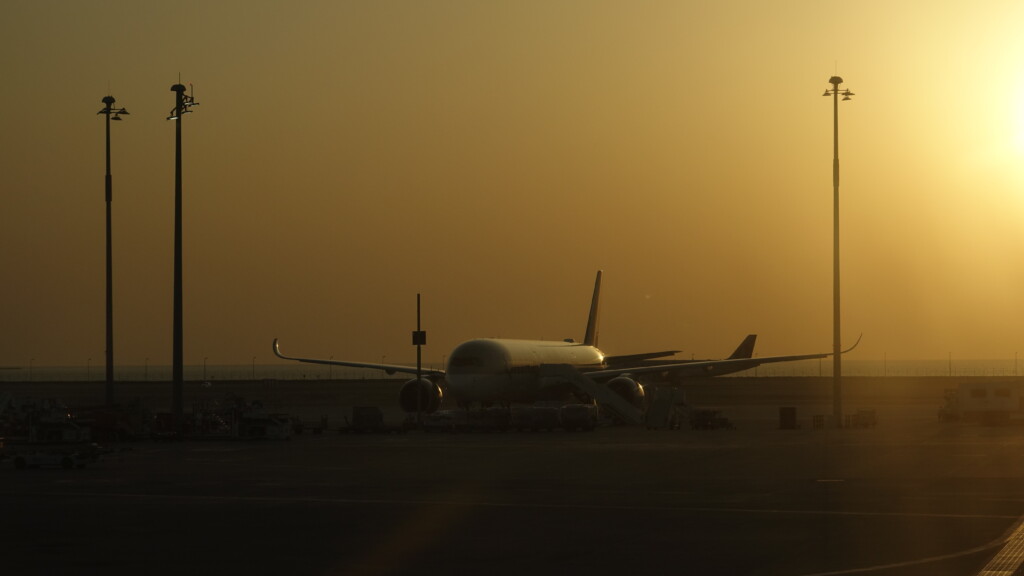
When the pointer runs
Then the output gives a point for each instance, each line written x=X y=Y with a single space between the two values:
x=493 y=156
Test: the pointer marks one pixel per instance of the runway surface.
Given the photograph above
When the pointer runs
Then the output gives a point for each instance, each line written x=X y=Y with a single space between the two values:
x=912 y=496
x=927 y=499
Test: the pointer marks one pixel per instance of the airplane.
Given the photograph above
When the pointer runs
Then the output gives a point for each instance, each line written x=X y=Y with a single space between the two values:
x=489 y=371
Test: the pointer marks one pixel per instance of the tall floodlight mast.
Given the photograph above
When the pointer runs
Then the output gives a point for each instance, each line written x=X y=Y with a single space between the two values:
x=837 y=356
x=183 y=104
x=111 y=114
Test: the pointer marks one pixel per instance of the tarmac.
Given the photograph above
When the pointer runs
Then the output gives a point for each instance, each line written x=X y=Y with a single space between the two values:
x=911 y=496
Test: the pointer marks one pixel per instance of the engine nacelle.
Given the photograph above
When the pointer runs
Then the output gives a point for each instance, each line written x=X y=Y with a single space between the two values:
x=429 y=399
x=631 y=390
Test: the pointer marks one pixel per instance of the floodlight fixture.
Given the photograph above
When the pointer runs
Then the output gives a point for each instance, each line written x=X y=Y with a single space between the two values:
x=183 y=105
x=109 y=111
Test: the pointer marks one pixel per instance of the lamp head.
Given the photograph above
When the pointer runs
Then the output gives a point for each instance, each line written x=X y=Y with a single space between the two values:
x=185 y=102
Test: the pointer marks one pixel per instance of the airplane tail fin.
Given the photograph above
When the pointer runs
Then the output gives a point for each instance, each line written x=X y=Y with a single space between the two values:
x=745 y=349
x=590 y=338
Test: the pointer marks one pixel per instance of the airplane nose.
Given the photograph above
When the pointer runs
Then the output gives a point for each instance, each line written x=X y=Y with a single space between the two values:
x=477 y=356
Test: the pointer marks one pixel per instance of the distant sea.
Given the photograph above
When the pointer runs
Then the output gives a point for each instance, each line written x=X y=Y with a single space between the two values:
x=297 y=371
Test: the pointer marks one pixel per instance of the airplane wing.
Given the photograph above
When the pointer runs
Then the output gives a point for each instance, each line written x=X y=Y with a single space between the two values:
x=388 y=368
x=709 y=367
x=629 y=358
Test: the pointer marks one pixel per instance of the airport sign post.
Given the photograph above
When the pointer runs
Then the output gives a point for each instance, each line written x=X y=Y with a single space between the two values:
x=419 y=340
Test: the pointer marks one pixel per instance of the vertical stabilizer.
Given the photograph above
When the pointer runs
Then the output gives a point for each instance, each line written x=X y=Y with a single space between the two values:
x=745 y=349
x=590 y=338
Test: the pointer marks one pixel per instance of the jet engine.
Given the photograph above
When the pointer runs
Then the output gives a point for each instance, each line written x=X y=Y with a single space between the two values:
x=631 y=390
x=429 y=400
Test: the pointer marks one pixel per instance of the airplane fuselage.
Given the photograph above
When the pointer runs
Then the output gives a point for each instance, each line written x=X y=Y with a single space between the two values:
x=486 y=369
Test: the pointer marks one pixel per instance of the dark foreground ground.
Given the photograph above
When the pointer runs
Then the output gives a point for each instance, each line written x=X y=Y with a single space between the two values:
x=911 y=496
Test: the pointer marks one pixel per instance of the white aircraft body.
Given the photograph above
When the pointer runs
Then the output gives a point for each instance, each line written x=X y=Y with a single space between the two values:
x=489 y=371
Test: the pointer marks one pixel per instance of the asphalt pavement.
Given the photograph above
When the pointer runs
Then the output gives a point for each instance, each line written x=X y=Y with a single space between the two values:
x=906 y=497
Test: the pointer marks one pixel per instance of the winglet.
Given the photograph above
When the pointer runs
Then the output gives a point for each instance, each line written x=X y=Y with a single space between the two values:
x=745 y=349
x=854 y=345
x=277 y=351
x=590 y=338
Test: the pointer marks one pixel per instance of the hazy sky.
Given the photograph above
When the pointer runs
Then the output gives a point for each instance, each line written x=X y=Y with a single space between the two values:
x=492 y=155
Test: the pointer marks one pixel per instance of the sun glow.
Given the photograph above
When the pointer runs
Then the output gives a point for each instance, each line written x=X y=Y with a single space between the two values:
x=1017 y=123
x=1006 y=94
x=992 y=132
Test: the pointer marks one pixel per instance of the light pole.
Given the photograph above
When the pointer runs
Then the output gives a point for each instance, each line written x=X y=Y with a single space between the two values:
x=182 y=105
x=837 y=350
x=111 y=114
